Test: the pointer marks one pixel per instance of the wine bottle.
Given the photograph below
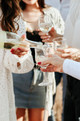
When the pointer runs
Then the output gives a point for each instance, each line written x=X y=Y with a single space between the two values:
x=10 y=39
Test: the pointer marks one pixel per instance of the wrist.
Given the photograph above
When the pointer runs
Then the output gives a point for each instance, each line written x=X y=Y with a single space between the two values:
x=61 y=65
x=76 y=57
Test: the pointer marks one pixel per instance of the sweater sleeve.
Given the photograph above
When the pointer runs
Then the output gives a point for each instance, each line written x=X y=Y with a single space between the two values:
x=10 y=62
x=72 y=68
x=58 y=22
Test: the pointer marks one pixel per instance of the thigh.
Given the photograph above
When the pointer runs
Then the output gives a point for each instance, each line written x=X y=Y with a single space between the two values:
x=36 y=114
x=20 y=113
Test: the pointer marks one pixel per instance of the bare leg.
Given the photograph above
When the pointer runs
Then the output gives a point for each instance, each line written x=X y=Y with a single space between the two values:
x=20 y=113
x=36 y=114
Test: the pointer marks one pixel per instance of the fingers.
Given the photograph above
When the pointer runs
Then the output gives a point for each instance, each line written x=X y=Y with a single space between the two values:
x=67 y=50
x=20 y=54
x=43 y=63
x=45 y=37
x=50 y=68
x=19 y=51
x=52 y=29
x=22 y=49
x=47 y=40
x=63 y=53
x=66 y=55
x=23 y=37
x=60 y=50
x=42 y=33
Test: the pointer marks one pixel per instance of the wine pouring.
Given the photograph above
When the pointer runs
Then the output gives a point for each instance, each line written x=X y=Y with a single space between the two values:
x=10 y=39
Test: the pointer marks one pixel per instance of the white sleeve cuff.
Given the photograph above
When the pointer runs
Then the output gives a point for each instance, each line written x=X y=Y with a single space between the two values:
x=72 y=68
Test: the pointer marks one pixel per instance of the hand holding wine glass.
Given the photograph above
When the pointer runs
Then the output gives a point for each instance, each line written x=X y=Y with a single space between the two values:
x=55 y=64
x=45 y=23
x=59 y=44
x=9 y=40
x=42 y=55
x=21 y=50
x=47 y=28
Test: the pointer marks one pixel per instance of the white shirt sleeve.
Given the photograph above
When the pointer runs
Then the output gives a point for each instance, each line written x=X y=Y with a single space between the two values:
x=72 y=68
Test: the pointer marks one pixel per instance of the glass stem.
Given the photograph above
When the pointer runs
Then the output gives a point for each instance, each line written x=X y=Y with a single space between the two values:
x=46 y=76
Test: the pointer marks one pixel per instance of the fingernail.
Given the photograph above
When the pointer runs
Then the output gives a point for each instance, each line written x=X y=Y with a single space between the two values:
x=23 y=36
x=52 y=29
x=18 y=48
x=39 y=63
x=12 y=50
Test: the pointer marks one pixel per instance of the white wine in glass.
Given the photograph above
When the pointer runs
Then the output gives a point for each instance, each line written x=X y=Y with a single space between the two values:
x=45 y=27
x=45 y=23
x=60 y=43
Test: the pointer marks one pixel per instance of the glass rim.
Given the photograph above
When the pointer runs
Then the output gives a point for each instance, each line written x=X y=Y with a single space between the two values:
x=59 y=39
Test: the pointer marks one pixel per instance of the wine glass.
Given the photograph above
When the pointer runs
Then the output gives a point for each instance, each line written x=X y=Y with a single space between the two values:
x=45 y=23
x=59 y=43
x=41 y=54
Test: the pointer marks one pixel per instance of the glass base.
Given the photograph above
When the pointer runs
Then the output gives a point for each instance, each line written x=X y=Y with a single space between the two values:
x=45 y=84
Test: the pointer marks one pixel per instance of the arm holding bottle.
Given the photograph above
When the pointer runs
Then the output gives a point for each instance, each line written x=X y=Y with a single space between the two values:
x=19 y=60
x=58 y=64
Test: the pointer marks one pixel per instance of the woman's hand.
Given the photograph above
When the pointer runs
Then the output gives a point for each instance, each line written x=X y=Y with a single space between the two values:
x=55 y=64
x=70 y=53
x=50 y=36
x=21 y=51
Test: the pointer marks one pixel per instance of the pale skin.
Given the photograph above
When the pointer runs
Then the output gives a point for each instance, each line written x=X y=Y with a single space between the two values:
x=50 y=36
x=21 y=51
x=67 y=53
x=55 y=62
x=31 y=15
x=70 y=53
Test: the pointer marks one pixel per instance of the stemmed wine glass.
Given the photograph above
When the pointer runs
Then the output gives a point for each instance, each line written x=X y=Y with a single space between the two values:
x=41 y=54
x=45 y=22
x=60 y=43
